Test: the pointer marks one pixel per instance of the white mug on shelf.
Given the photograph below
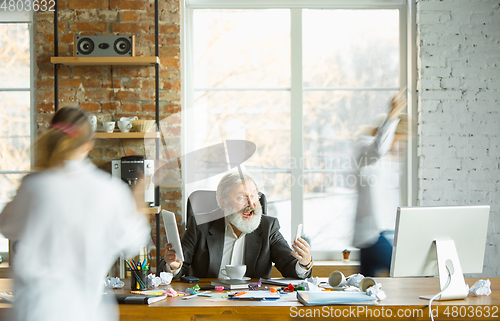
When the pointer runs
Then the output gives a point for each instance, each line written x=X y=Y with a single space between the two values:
x=125 y=125
x=108 y=126
x=93 y=122
x=129 y=118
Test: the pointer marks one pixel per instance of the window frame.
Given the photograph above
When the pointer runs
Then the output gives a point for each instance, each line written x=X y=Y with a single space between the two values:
x=407 y=77
x=24 y=17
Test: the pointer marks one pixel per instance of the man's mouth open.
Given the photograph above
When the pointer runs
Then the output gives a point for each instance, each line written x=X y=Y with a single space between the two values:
x=248 y=214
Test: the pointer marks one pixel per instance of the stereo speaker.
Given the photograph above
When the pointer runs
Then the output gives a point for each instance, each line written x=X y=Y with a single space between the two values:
x=104 y=46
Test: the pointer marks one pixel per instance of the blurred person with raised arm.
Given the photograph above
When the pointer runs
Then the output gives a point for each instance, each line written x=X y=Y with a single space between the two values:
x=379 y=193
x=70 y=222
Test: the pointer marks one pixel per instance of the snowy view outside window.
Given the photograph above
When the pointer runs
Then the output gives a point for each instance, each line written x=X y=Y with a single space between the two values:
x=14 y=110
x=242 y=62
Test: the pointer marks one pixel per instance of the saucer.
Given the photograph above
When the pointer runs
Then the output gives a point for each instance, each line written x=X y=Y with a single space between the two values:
x=245 y=278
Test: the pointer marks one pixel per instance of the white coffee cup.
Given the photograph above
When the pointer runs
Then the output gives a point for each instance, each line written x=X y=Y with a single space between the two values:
x=93 y=122
x=234 y=271
x=130 y=118
x=108 y=126
x=337 y=279
x=125 y=125
x=366 y=283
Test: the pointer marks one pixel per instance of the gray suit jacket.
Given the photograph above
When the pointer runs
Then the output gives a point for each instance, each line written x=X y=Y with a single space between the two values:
x=203 y=246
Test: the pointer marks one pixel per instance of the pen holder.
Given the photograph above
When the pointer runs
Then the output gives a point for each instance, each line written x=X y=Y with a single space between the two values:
x=139 y=280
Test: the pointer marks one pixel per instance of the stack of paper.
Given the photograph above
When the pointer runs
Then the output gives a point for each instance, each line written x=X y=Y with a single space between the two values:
x=232 y=284
x=281 y=281
x=333 y=298
x=258 y=295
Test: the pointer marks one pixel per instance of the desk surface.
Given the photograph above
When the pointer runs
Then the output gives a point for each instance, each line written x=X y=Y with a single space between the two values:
x=402 y=303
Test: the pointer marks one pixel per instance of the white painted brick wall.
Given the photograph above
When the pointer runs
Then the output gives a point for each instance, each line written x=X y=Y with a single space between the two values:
x=459 y=109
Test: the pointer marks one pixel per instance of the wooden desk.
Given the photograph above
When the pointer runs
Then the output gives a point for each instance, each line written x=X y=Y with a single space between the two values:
x=402 y=303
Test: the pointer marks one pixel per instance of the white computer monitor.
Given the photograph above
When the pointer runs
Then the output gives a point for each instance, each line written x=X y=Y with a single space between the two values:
x=444 y=241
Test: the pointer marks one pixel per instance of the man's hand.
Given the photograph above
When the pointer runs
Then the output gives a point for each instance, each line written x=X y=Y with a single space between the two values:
x=170 y=258
x=302 y=251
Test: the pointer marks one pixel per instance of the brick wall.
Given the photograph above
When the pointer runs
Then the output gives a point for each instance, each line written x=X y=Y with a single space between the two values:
x=459 y=111
x=90 y=88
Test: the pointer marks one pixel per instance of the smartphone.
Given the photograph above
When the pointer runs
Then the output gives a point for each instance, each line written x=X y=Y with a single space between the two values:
x=298 y=233
x=189 y=279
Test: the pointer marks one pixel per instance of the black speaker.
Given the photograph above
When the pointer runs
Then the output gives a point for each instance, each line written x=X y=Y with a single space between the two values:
x=104 y=46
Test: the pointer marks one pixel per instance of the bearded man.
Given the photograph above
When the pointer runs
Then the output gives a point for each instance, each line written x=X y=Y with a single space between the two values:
x=242 y=236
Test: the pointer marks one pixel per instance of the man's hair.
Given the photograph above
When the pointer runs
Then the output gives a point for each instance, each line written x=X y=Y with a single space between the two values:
x=228 y=181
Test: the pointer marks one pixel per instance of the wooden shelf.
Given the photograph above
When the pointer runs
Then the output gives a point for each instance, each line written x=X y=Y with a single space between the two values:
x=120 y=135
x=101 y=61
x=151 y=210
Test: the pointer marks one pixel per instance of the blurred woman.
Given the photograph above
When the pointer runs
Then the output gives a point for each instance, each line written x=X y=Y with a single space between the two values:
x=379 y=192
x=70 y=221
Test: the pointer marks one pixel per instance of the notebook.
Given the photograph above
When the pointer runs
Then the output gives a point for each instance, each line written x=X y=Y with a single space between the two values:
x=138 y=298
x=281 y=281
x=232 y=284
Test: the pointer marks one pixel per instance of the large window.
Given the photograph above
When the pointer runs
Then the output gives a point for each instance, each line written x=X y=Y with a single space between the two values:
x=300 y=83
x=15 y=105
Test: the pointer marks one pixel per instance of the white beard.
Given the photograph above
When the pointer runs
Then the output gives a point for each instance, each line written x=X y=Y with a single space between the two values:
x=242 y=224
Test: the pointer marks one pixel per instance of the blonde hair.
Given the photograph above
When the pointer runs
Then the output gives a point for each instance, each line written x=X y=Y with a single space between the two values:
x=69 y=129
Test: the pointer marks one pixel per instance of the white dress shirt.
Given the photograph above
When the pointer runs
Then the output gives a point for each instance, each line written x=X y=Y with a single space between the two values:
x=234 y=248
x=234 y=252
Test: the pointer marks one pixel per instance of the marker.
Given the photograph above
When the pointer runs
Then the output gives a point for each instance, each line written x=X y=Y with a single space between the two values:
x=144 y=263
x=213 y=287
x=240 y=293
x=195 y=295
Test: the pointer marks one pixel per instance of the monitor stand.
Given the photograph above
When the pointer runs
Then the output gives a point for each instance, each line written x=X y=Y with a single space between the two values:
x=451 y=278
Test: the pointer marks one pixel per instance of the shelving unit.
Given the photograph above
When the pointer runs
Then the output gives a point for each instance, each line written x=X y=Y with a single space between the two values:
x=119 y=61
x=120 y=135
x=151 y=210
x=105 y=61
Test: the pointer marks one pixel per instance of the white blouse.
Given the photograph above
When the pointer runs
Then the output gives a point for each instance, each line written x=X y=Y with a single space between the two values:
x=71 y=225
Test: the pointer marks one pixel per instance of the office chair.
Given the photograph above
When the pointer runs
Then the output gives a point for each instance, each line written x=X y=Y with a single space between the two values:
x=203 y=205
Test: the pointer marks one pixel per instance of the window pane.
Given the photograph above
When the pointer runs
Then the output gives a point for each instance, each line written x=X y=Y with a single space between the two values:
x=332 y=121
x=351 y=48
x=329 y=211
x=14 y=56
x=260 y=117
x=277 y=187
x=15 y=131
x=8 y=187
x=241 y=48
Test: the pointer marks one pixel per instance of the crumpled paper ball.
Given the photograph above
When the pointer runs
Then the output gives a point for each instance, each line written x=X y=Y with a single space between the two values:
x=311 y=284
x=114 y=283
x=154 y=280
x=166 y=278
x=376 y=291
x=355 y=279
x=481 y=287
x=313 y=280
